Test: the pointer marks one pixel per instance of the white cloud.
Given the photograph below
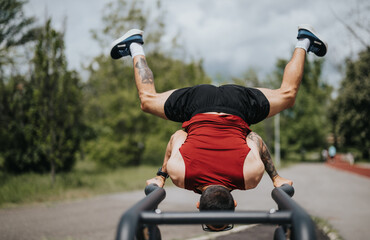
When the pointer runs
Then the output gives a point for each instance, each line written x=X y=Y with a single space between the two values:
x=80 y=16
x=229 y=36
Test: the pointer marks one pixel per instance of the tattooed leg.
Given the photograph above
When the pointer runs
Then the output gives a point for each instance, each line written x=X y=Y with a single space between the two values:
x=151 y=101
x=143 y=75
x=264 y=154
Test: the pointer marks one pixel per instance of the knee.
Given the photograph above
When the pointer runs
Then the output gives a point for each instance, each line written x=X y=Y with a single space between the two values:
x=146 y=100
x=144 y=106
x=289 y=96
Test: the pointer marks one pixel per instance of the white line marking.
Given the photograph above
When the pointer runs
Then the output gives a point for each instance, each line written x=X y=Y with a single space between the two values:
x=219 y=234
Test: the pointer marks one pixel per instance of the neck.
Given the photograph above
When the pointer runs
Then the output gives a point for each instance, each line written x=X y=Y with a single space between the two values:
x=203 y=188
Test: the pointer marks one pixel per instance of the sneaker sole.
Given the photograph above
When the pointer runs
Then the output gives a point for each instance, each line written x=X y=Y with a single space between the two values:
x=114 y=44
x=310 y=29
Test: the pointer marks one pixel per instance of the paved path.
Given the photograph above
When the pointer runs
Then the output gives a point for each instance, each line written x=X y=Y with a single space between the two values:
x=338 y=196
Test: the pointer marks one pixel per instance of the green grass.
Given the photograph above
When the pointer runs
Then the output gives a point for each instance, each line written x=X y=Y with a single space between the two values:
x=84 y=181
x=327 y=229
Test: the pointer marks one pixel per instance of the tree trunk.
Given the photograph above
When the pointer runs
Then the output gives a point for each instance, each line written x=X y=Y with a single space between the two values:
x=52 y=171
x=52 y=156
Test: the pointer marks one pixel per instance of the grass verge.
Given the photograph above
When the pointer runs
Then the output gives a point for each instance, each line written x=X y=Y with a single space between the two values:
x=327 y=229
x=85 y=180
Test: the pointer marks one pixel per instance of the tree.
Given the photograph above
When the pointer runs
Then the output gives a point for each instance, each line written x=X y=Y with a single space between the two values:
x=356 y=22
x=350 y=110
x=305 y=126
x=55 y=104
x=121 y=15
x=45 y=111
x=15 y=29
x=121 y=133
x=264 y=129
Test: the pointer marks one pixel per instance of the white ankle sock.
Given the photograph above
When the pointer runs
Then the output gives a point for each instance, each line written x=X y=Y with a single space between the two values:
x=136 y=49
x=303 y=43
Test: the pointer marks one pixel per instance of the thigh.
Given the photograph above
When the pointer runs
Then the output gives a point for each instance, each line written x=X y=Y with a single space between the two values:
x=278 y=100
x=154 y=103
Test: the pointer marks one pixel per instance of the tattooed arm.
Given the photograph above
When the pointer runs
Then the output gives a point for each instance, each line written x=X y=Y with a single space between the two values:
x=267 y=161
x=264 y=154
x=173 y=163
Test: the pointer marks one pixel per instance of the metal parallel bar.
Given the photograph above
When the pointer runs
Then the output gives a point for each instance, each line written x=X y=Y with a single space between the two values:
x=250 y=217
x=303 y=227
x=289 y=213
x=129 y=221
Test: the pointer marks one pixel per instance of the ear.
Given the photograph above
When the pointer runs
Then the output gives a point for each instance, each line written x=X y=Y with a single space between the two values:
x=235 y=203
x=198 y=203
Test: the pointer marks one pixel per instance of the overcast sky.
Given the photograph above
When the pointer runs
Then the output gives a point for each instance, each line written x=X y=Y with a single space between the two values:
x=229 y=35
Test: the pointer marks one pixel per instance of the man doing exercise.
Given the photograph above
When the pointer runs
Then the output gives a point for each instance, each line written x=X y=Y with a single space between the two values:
x=217 y=152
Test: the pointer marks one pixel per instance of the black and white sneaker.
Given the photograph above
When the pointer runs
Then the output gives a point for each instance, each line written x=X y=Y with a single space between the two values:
x=317 y=45
x=121 y=46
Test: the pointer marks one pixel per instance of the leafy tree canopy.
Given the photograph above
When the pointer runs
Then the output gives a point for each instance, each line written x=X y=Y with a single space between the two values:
x=350 y=112
x=120 y=133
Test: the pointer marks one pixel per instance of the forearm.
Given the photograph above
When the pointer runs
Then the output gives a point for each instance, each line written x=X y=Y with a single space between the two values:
x=264 y=155
x=267 y=161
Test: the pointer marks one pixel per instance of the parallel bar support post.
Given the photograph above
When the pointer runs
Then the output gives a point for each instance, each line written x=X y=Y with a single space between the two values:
x=303 y=227
x=129 y=221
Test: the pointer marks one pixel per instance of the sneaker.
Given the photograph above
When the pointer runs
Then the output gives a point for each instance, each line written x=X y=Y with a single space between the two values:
x=121 y=46
x=317 y=46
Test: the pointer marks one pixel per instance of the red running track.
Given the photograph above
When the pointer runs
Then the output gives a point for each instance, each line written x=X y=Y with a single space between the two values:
x=338 y=163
